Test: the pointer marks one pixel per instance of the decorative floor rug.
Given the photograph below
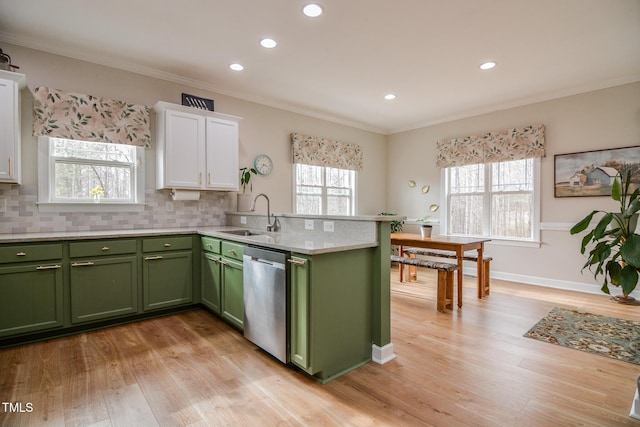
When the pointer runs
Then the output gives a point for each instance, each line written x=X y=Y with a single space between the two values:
x=593 y=333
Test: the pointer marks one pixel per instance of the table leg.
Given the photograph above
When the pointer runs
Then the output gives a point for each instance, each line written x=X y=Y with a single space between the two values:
x=460 y=256
x=400 y=266
x=480 y=270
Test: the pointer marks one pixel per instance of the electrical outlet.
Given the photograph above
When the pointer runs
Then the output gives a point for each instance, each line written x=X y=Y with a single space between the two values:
x=328 y=226
x=243 y=220
x=308 y=224
x=169 y=207
x=202 y=206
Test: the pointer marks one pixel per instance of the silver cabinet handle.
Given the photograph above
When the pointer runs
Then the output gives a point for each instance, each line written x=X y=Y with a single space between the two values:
x=296 y=261
x=105 y=248
x=48 y=267
x=152 y=258
x=21 y=254
x=167 y=245
x=82 y=264
x=211 y=258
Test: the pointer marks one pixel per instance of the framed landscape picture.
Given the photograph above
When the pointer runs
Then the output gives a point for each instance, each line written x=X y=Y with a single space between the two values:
x=591 y=173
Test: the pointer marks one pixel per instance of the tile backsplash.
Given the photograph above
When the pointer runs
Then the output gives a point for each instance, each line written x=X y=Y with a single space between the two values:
x=22 y=214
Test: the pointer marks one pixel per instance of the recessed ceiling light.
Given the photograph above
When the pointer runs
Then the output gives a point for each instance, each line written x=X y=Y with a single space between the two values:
x=236 y=67
x=312 y=10
x=389 y=96
x=268 y=43
x=487 y=65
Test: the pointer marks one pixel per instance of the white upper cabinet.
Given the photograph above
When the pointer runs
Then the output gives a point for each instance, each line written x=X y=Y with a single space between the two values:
x=196 y=149
x=10 y=86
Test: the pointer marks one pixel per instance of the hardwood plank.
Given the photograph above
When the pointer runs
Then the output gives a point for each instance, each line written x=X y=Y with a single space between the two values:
x=463 y=367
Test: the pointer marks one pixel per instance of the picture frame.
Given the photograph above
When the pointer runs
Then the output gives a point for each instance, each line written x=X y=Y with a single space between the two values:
x=591 y=173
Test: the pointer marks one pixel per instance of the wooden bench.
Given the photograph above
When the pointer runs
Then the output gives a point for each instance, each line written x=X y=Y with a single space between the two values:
x=483 y=290
x=445 y=278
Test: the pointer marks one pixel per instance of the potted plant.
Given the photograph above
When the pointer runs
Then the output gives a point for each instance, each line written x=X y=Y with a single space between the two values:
x=425 y=227
x=615 y=252
x=396 y=226
x=244 y=200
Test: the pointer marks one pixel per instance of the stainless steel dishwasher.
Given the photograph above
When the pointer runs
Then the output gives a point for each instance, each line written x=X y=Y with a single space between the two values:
x=266 y=300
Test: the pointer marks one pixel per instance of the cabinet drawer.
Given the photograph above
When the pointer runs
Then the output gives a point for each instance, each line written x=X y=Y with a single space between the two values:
x=20 y=253
x=102 y=247
x=210 y=244
x=161 y=244
x=232 y=250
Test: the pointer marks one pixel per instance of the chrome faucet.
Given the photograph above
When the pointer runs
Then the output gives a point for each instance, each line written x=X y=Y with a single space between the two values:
x=270 y=227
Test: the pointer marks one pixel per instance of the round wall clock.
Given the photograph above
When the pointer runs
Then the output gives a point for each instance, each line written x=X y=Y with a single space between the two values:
x=263 y=164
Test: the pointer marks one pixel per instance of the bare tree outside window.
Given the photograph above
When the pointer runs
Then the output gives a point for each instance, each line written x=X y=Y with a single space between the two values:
x=324 y=191
x=83 y=169
x=493 y=199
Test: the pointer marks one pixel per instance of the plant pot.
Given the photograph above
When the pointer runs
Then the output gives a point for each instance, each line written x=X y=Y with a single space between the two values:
x=244 y=203
x=425 y=230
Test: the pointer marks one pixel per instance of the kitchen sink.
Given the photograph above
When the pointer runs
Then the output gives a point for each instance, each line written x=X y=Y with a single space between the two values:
x=242 y=233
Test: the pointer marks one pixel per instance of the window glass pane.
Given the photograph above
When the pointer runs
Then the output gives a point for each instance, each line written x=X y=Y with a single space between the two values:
x=466 y=214
x=512 y=176
x=337 y=205
x=84 y=171
x=310 y=205
x=82 y=181
x=309 y=175
x=511 y=215
x=92 y=150
x=467 y=179
x=338 y=178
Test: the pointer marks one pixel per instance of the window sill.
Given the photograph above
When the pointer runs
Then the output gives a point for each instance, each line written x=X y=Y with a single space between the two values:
x=506 y=242
x=89 y=207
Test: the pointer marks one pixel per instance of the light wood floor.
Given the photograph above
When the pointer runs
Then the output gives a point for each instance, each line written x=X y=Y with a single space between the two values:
x=468 y=367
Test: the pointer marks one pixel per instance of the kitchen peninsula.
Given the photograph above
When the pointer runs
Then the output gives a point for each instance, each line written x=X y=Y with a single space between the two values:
x=340 y=306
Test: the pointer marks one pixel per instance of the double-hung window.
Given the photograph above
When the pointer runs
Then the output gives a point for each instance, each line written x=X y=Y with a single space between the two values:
x=497 y=200
x=77 y=172
x=321 y=190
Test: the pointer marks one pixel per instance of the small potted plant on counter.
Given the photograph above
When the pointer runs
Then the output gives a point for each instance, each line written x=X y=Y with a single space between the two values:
x=244 y=200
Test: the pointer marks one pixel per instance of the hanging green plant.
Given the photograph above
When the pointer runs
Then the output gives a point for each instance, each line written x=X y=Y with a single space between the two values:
x=245 y=178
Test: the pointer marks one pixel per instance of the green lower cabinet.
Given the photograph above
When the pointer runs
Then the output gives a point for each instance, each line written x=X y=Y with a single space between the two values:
x=167 y=279
x=299 y=338
x=103 y=287
x=232 y=292
x=31 y=298
x=211 y=277
x=331 y=312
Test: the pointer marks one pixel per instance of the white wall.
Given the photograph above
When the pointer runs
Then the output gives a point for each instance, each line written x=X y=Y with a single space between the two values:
x=262 y=130
x=597 y=120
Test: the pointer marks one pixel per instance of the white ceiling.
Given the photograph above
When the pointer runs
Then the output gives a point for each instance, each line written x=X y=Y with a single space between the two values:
x=340 y=65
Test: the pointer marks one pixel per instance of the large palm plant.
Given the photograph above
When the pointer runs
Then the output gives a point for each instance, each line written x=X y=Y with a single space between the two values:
x=615 y=247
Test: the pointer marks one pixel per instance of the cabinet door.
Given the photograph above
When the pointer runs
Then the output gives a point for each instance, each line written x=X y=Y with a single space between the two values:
x=167 y=279
x=211 y=275
x=9 y=132
x=31 y=298
x=184 y=150
x=103 y=287
x=300 y=324
x=222 y=154
x=233 y=292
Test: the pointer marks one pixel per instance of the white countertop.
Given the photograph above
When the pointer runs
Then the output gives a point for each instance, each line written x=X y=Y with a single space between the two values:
x=290 y=241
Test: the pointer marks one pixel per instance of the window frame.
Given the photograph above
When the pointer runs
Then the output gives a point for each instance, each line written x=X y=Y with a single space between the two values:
x=534 y=240
x=353 y=202
x=47 y=203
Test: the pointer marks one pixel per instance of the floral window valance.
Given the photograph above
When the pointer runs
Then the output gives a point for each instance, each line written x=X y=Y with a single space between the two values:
x=312 y=150
x=62 y=114
x=512 y=144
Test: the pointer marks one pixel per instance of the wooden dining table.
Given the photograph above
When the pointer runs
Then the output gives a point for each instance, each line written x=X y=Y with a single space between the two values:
x=448 y=243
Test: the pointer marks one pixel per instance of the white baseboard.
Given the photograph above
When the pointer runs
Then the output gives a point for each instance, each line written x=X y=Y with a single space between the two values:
x=382 y=355
x=589 y=288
